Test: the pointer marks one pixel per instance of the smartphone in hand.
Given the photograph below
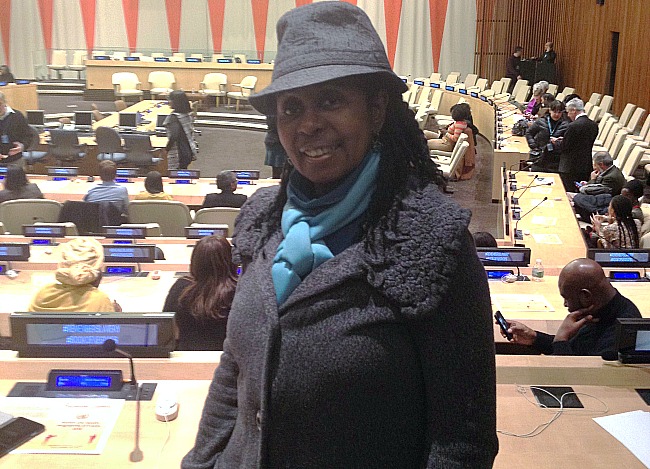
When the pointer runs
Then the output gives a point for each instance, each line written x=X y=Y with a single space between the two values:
x=503 y=324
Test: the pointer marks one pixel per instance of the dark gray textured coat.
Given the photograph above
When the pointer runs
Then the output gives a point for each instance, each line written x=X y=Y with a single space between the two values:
x=382 y=357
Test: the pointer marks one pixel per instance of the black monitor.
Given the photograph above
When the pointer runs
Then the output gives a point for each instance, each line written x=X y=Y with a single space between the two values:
x=160 y=120
x=418 y=82
x=127 y=172
x=473 y=94
x=253 y=61
x=504 y=256
x=44 y=231
x=132 y=58
x=14 y=251
x=247 y=174
x=81 y=334
x=462 y=91
x=36 y=118
x=22 y=81
x=161 y=59
x=198 y=232
x=224 y=61
x=435 y=85
x=128 y=119
x=633 y=340
x=83 y=118
x=621 y=258
x=125 y=232
x=102 y=57
x=184 y=174
x=133 y=253
x=193 y=59
x=62 y=173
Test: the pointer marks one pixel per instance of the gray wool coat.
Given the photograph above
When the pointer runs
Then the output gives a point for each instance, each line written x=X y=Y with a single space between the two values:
x=383 y=357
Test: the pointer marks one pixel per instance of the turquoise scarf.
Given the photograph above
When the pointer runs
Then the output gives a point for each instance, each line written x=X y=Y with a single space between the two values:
x=306 y=222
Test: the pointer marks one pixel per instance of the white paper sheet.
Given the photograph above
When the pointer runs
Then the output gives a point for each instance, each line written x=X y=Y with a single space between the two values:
x=632 y=429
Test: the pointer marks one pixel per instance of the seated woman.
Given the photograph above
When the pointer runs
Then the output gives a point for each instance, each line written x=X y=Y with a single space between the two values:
x=181 y=147
x=633 y=190
x=202 y=300
x=542 y=137
x=153 y=188
x=447 y=142
x=536 y=101
x=17 y=186
x=78 y=275
x=617 y=229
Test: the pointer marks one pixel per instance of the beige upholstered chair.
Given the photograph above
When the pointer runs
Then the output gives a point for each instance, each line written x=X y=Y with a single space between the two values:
x=552 y=88
x=171 y=215
x=595 y=98
x=161 y=82
x=78 y=62
x=626 y=114
x=606 y=103
x=126 y=85
x=637 y=115
x=178 y=57
x=59 y=62
x=218 y=216
x=16 y=213
x=239 y=58
x=215 y=84
x=247 y=87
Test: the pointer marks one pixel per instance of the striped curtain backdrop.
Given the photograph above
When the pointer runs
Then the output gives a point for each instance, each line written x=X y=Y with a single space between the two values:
x=421 y=36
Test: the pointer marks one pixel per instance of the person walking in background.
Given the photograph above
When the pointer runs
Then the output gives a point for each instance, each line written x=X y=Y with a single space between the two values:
x=512 y=67
x=181 y=147
x=15 y=134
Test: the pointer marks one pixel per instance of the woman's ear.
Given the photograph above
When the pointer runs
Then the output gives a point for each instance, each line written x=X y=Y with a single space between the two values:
x=378 y=105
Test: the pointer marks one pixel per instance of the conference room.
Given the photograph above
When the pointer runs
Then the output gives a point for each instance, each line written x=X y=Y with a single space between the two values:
x=113 y=67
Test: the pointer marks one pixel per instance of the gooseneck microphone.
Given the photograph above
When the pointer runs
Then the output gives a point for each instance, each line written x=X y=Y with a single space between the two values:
x=515 y=200
x=518 y=234
x=110 y=346
x=512 y=175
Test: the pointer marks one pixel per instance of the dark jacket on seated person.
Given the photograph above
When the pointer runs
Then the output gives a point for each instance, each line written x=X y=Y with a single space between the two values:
x=586 y=203
x=593 y=338
x=29 y=191
x=224 y=199
x=539 y=135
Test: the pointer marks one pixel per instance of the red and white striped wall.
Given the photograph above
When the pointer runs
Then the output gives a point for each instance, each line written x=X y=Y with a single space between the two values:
x=421 y=36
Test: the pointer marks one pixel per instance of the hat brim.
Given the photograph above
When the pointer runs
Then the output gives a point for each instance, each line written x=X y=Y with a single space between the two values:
x=264 y=101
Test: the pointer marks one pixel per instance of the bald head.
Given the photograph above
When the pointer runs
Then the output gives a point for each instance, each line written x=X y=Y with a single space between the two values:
x=583 y=283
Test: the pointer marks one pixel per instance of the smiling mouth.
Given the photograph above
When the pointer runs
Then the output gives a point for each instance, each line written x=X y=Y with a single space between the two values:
x=318 y=152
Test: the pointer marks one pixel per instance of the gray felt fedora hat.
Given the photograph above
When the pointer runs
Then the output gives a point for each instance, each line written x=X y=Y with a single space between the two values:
x=321 y=42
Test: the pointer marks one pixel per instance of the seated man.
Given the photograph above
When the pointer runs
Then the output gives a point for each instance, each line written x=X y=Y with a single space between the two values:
x=606 y=181
x=227 y=184
x=593 y=304
x=108 y=190
x=78 y=275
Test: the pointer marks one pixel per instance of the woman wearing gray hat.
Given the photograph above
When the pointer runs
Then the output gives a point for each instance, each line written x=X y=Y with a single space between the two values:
x=360 y=332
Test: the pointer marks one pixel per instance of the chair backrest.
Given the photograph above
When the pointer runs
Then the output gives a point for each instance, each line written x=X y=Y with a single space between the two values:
x=635 y=119
x=157 y=54
x=594 y=113
x=218 y=215
x=120 y=105
x=138 y=149
x=452 y=78
x=434 y=77
x=627 y=113
x=216 y=57
x=85 y=215
x=108 y=140
x=606 y=103
x=64 y=142
x=617 y=142
x=568 y=90
x=178 y=56
x=552 y=88
x=16 y=213
x=35 y=139
x=436 y=99
x=624 y=153
x=595 y=98
x=423 y=98
x=197 y=56
x=413 y=93
x=588 y=107
x=137 y=54
x=481 y=84
x=126 y=80
x=119 y=55
x=78 y=57
x=645 y=130
x=609 y=140
x=470 y=80
x=633 y=160
x=59 y=57
x=518 y=85
x=162 y=79
x=171 y=215
x=521 y=96
x=457 y=157
x=606 y=130
x=213 y=81
x=506 y=83
x=497 y=86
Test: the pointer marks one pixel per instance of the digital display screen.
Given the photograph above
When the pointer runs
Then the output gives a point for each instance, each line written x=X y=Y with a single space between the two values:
x=141 y=335
x=483 y=98
x=435 y=85
x=253 y=61
x=632 y=258
x=132 y=59
x=121 y=180
x=633 y=340
x=44 y=231
x=127 y=172
x=247 y=174
x=642 y=343
x=119 y=270
x=511 y=257
x=14 y=251
x=462 y=91
x=161 y=59
x=224 y=61
x=83 y=381
x=473 y=94
x=418 y=82
x=128 y=119
x=101 y=57
x=198 y=233
x=449 y=88
x=36 y=117
x=497 y=274
x=193 y=59
x=84 y=118
x=624 y=275
x=129 y=253
x=3 y=170
x=124 y=232
x=123 y=241
x=58 y=171
x=183 y=181
x=42 y=242
x=185 y=173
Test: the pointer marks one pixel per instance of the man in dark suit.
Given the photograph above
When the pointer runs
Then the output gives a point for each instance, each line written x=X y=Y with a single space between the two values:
x=227 y=184
x=512 y=67
x=576 y=145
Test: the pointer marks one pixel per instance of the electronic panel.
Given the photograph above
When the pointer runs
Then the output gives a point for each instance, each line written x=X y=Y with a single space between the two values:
x=134 y=253
x=623 y=258
x=14 y=251
x=504 y=256
x=194 y=232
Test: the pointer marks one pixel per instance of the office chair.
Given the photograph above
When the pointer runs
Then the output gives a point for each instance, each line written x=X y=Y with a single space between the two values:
x=126 y=84
x=161 y=82
x=247 y=87
x=64 y=146
x=16 y=213
x=214 y=84
x=171 y=215
x=218 y=216
x=109 y=145
x=31 y=155
x=139 y=152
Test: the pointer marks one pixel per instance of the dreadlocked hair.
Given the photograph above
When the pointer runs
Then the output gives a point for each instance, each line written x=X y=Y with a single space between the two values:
x=404 y=164
x=622 y=207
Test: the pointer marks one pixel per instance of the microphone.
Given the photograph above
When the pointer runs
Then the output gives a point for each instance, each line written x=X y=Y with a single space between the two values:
x=515 y=200
x=518 y=234
x=512 y=175
x=536 y=185
x=110 y=346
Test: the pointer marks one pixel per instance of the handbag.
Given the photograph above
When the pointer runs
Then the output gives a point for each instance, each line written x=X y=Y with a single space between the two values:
x=595 y=189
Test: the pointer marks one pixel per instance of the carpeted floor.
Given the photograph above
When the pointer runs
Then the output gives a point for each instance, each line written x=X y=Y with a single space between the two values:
x=221 y=149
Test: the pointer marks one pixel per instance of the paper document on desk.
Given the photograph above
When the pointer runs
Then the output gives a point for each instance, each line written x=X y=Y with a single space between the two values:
x=72 y=426
x=541 y=190
x=547 y=238
x=544 y=181
x=547 y=204
x=513 y=303
x=542 y=220
x=632 y=429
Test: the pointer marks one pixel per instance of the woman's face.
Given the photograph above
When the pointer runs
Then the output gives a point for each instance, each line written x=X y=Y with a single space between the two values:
x=611 y=212
x=327 y=129
x=555 y=115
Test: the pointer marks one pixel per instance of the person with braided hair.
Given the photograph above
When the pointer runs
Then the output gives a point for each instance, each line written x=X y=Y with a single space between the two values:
x=618 y=229
x=360 y=332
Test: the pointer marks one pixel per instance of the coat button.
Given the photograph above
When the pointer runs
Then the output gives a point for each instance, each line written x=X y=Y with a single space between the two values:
x=258 y=420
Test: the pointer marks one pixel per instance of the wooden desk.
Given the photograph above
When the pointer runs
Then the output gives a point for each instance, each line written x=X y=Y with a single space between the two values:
x=188 y=75
x=572 y=441
x=21 y=97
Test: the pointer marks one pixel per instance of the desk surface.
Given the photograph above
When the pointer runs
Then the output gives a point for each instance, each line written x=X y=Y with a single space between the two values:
x=573 y=441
